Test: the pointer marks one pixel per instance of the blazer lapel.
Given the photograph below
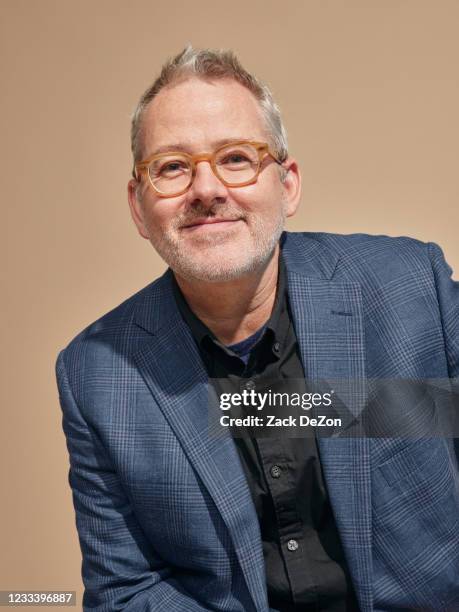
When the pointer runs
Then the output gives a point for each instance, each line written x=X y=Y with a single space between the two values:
x=327 y=315
x=172 y=368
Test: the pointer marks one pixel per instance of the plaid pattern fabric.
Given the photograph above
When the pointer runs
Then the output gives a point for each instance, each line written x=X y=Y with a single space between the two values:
x=163 y=511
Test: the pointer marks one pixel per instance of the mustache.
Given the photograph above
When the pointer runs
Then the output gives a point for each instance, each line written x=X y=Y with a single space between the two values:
x=224 y=212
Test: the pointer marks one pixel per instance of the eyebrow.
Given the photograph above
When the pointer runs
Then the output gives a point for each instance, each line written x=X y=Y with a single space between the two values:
x=186 y=149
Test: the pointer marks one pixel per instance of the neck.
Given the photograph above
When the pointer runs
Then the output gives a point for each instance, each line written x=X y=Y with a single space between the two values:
x=234 y=310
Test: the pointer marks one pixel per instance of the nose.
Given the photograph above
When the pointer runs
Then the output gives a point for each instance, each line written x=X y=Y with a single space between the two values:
x=207 y=188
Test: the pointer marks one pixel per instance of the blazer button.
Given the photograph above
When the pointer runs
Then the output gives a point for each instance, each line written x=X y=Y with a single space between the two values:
x=249 y=385
x=292 y=545
x=275 y=471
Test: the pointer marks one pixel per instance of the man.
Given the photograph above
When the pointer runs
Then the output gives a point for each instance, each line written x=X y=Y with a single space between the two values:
x=173 y=518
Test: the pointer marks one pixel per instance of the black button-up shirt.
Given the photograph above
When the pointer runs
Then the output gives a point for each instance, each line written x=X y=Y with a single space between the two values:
x=305 y=565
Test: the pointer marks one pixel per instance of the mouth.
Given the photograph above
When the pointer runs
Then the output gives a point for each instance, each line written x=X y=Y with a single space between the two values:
x=210 y=224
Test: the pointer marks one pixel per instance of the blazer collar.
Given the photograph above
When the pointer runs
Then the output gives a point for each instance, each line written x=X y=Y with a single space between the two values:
x=308 y=257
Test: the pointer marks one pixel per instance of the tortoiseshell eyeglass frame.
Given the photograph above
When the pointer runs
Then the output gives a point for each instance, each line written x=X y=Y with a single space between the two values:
x=262 y=149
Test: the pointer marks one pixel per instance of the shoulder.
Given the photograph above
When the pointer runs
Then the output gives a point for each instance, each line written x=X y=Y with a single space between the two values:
x=358 y=243
x=384 y=265
x=113 y=333
x=351 y=252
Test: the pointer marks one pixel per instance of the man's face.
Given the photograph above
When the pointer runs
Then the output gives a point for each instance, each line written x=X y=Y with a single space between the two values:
x=196 y=116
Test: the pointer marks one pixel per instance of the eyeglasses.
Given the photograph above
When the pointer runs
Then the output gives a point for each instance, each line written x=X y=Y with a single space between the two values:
x=236 y=164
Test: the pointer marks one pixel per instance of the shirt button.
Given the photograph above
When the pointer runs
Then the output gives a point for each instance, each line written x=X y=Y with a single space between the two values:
x=292 y=545
x=275 y=471
x=249 y=385
x=276 y=347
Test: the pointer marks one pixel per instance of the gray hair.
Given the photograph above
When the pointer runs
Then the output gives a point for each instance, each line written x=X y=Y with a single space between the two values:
x=212 y=64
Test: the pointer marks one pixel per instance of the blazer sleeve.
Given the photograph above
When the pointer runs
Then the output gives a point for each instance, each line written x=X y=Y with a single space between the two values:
x=448 y=300
x=120 y=570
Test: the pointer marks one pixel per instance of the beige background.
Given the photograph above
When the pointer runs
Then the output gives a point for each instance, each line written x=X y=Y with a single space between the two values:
x=370 y=95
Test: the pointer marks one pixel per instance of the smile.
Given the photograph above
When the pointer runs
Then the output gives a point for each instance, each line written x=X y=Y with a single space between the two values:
x=211 y=225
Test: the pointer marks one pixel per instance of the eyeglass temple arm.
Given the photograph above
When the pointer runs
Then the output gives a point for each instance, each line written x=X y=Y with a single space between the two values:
x=136 y=169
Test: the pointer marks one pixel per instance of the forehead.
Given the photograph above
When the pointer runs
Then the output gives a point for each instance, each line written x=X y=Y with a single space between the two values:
x=198 y=113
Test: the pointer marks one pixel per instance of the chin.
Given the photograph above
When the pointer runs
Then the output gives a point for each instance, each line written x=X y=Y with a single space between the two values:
x=223 y=268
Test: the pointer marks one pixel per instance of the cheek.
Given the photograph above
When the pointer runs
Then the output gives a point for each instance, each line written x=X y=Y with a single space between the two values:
x=257 y=199
x=268 y=204
x=159 y=216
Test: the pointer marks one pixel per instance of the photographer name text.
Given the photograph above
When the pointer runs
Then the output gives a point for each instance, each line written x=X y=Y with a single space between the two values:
x=272 y=420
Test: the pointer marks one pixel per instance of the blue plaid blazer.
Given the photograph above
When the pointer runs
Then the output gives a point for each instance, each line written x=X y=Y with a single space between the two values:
x=163 y=511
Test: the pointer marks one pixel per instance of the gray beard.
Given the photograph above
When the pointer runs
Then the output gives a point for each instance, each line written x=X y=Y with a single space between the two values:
x=216 y=271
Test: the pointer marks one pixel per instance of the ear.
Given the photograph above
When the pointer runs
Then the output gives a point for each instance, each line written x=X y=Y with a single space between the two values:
x=136 y=208
x=292 y=186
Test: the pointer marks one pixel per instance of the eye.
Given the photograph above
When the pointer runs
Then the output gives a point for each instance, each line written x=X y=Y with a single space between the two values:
x=168 y=168
x=172 y=167
x=235 y=158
